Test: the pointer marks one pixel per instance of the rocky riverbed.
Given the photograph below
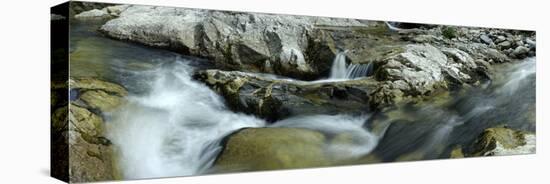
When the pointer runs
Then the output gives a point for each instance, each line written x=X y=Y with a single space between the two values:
x=161 y=91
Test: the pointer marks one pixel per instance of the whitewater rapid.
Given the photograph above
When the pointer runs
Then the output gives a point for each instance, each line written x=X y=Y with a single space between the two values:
x=176 y=127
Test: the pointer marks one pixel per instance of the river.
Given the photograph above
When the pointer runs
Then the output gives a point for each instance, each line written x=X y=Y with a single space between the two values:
x=173 y=125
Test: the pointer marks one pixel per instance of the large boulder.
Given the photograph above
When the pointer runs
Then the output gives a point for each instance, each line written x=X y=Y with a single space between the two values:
x=235 y=40
x=255 y=149
x=423 y=69
x=274 y=99
x=78 y=139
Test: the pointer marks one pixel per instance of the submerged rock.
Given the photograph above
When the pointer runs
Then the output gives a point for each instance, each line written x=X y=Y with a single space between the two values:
x=78 y=128
x=275 y=99
x=255 y=149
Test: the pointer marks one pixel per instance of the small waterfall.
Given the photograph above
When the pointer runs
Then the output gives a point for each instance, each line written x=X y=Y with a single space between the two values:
x=359 y=70
x=340 y=70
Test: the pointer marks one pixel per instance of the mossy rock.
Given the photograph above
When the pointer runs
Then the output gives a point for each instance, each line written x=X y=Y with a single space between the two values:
x=449 y=32
x=90 y=154
x=503 y=141
x=272 y=148
x=95 y=84
x=101 y=100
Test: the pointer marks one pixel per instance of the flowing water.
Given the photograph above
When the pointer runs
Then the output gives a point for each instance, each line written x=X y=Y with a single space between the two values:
x=341 y=70
x=173 y=125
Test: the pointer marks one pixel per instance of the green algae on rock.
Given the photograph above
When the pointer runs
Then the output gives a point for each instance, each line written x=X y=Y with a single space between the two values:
x=272 y=148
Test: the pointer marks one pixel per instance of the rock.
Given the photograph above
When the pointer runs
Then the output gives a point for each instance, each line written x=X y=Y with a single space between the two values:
x=485 y=39
x=93 y=14
x=255 y=149
x=275 y=99
x=500 y=39
x=520 y=52
x=457 y=153
x=505 y=44
x=482 y=51
x=422 y=68
x=79 y=6
x=101 y=100
x=78 y=128
x=116 y=10
x=503 y=141
x=245 y=41
x=90 y=153
x=95 y=84
x=96 y=94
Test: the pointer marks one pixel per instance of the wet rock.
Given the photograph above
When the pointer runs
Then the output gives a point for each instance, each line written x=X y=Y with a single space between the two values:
x=96 y=94
x=78 y=128
x=89 y=152
x=274 y=99
x=95 y=84
x=502 y=141
x=272 y=148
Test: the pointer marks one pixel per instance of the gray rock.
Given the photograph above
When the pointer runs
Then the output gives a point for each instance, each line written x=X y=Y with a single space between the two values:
x=93 y=14
x=485 y=39
x=244 y=41
x=505 y=44
x=424 y=68
x=520 y=52
x=116 y=10
x=500 y=39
